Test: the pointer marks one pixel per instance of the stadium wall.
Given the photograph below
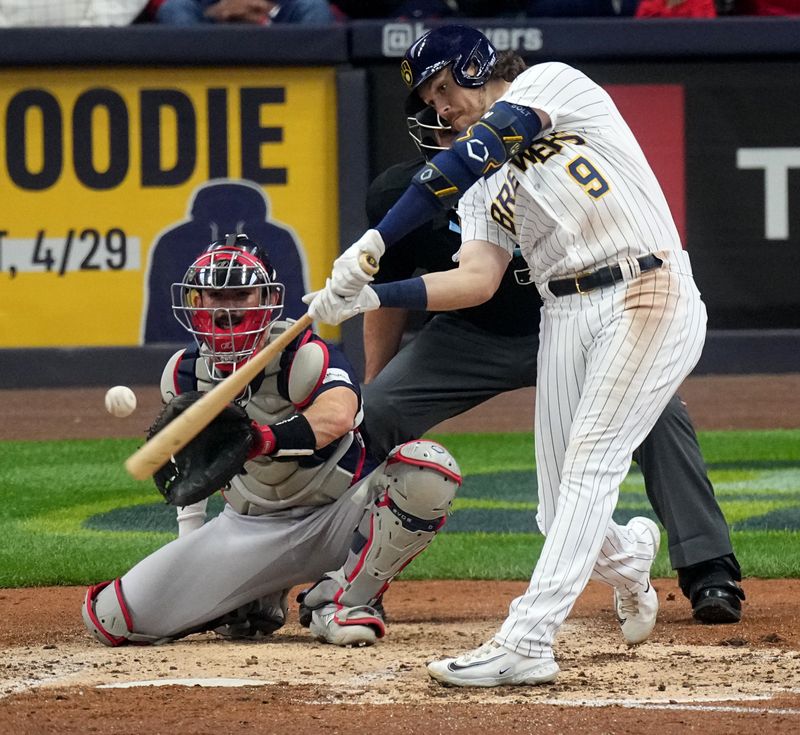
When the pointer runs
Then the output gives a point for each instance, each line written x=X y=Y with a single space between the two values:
x=112 y=139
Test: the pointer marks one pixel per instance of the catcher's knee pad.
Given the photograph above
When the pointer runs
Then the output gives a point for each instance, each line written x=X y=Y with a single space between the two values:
x=415 y=487
x=106 y=616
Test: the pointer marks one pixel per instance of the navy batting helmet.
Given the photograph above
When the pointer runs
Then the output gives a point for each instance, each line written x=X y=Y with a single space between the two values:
x=467 y=49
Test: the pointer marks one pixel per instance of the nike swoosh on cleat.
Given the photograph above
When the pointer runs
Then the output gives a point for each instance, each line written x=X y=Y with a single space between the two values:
x=503 y=671
x=453 y=666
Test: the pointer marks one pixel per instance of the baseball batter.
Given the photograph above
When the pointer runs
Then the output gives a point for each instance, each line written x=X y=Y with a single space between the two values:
x=546 y=163
x=303 y=506
x=436 y=376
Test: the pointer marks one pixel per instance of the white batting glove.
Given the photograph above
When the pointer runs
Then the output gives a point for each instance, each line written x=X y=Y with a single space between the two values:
x=348 y=277
x=330 y=308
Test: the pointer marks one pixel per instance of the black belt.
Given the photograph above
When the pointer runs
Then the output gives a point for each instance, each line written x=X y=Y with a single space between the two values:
x=602 y=277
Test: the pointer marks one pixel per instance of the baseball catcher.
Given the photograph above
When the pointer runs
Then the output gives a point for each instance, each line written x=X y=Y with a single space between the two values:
x=294 y=471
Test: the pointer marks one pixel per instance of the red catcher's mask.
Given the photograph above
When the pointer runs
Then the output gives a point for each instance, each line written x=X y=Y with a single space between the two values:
x=227 y=300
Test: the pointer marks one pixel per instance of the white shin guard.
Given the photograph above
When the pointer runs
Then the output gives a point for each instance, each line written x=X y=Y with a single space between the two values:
x=106 y=616
x=414 y=489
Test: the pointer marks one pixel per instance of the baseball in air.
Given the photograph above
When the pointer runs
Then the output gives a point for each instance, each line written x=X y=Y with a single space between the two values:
x=120 y=401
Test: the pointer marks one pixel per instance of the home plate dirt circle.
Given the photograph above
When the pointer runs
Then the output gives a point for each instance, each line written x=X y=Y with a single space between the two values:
x=742 y=678
x=597 y=668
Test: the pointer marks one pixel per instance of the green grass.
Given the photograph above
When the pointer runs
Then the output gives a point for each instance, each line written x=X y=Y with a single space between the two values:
x=59 y=502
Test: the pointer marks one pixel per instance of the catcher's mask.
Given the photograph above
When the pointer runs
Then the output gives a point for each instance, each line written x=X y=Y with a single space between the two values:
x=430 y=132
x=227 y=300
x=468 y=53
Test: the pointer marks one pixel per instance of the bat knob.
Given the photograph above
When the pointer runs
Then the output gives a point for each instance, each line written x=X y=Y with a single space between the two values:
x=368 y=263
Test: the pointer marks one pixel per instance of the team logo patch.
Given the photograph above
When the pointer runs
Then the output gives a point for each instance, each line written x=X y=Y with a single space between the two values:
x=405 y=72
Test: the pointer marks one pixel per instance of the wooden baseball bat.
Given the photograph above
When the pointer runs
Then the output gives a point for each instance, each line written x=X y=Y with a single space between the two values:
x=150 y=457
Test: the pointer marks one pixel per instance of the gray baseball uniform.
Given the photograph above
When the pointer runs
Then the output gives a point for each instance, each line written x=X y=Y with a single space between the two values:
x=287 y=520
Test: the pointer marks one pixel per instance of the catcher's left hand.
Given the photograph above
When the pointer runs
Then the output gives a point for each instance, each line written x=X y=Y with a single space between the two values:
x=208 y=462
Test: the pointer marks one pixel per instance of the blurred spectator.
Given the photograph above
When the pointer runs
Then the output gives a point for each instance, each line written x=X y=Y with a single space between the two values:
x=766 y=7
x=581 y=8
x=361 y=9
x=69 y=12
x=492 y=8
x=676 y=9
x=260 y=12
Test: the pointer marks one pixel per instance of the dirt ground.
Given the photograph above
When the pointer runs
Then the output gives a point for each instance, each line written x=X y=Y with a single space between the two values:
x=742 y=678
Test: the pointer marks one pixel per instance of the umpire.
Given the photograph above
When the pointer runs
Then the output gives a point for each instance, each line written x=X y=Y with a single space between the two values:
x=459 y=359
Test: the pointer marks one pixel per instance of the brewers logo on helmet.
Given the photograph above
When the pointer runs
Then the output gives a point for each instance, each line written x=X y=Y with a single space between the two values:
x=406 y=73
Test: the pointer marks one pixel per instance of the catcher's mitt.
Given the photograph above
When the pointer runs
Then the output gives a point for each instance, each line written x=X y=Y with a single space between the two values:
x=208 y=462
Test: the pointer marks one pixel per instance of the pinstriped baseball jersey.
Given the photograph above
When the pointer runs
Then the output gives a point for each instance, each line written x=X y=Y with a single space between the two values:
x=582 y=195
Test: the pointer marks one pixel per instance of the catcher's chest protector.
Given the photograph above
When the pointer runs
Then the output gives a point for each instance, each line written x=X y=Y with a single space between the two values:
x=271 y=485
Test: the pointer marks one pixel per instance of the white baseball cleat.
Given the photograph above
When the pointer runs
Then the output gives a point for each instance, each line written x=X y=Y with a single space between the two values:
x=637 y=611
x=347 y=626
x=492 y=665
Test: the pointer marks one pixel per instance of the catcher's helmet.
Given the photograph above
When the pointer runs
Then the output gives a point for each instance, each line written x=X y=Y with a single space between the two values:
x=228 y=333
x=468 y=51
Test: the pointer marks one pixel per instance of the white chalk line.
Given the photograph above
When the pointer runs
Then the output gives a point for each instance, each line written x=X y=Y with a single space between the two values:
x=688 y=704
x=220 y=682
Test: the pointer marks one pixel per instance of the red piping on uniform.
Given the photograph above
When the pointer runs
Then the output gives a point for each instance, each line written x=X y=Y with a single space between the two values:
x=398 y=457
x=322 y=373
x=175 y=373
x=362 y=457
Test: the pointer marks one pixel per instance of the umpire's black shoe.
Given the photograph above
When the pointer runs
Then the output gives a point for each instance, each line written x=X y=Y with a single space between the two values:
x=712 y=590
x=718 y=604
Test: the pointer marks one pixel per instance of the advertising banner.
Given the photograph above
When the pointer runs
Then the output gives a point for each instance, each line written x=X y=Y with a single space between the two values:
x=113 y=180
